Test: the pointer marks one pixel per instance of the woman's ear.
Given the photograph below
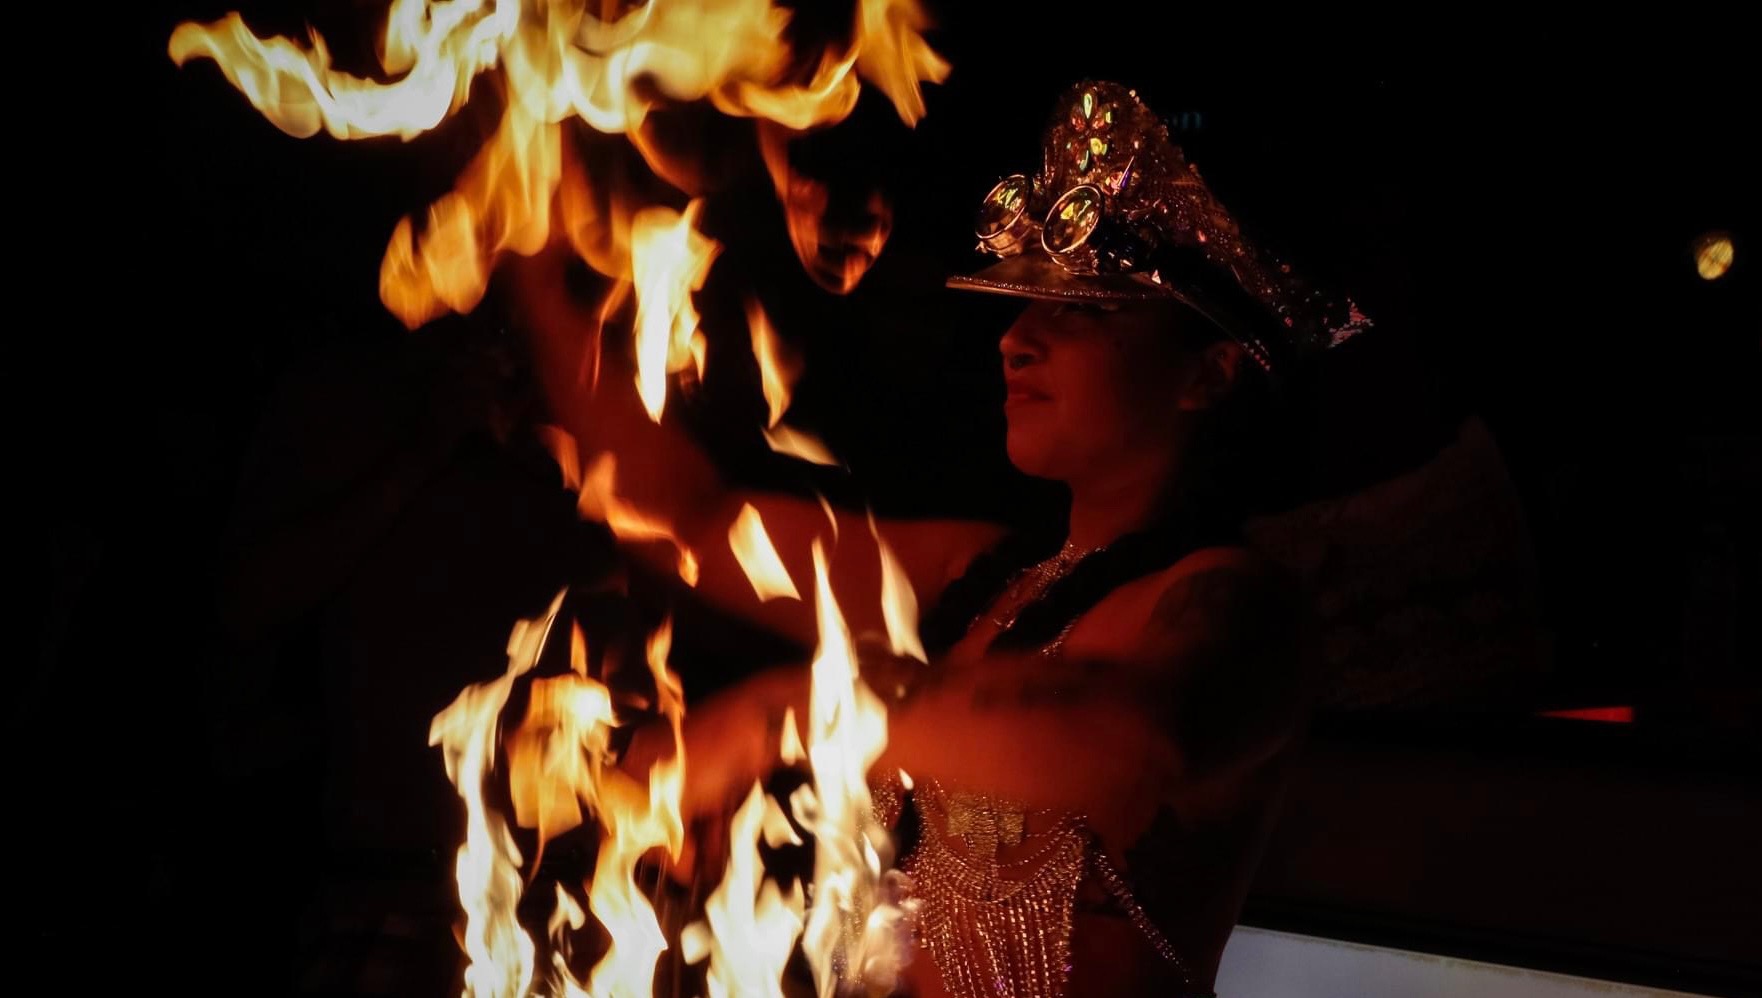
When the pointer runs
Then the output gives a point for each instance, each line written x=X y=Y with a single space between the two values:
x=1214 y=376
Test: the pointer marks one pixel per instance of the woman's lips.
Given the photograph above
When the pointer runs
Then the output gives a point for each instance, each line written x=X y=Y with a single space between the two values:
x=1022 y=393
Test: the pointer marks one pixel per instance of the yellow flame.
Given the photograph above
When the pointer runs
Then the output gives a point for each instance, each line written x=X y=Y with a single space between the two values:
x=758 y=558
x=633 y=824
x=501 y=203
x=566 y=917
x=557 y=61
x=523 y=189
x=499 y=951
x=892 y=54
x=778 y=371
x=852 y=924
x=434 y=48
x=669 y=259
x=750 y=925
x=899 y=604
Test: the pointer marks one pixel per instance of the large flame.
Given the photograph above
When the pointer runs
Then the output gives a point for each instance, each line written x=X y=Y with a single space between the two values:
x=633 y=824
x=558 y=61
x=559 y=762
x=852 y=934
x=500 y=952
x=607 y=67
x=750 y=925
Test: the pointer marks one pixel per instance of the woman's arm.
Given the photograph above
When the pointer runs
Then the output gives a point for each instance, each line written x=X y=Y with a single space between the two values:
x=1224 y=688
x=658 y=471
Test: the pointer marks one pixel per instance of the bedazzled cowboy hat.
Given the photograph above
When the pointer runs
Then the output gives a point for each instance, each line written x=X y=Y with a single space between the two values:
x=1116 y=213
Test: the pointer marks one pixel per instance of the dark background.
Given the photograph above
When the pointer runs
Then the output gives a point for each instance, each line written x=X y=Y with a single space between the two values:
x=276 y=532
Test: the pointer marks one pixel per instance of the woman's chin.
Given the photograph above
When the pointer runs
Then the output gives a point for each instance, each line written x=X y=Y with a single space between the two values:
x=1029 y=452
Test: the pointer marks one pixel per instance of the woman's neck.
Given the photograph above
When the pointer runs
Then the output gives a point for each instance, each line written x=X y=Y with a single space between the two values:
x=1105 y=508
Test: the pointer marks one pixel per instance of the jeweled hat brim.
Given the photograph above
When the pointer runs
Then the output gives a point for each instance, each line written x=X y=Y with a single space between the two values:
x=1036 y=275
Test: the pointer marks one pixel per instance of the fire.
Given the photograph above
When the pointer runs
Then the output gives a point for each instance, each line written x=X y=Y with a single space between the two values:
x=899 y=604
x=836 y=260
x=797 y=444
x=558 y=62
x=758 y=557
x=559 y=763
x=778 y=370
x=599 y=500
x=750 y=926
x=670 y=260
x=633 y=825
x=852 y=929
x=555 y=62
x=500 y=952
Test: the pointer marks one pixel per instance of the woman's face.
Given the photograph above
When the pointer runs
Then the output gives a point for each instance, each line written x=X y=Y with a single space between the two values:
x=1095 y=388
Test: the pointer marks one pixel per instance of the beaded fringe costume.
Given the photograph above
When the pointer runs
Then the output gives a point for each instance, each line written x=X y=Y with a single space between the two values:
x=1003 y=929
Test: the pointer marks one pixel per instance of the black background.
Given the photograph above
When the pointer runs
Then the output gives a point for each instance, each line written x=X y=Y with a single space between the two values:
x=1514 y=201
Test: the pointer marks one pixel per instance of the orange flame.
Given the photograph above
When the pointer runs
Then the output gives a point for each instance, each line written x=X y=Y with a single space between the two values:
x=803 y=446
x=899 y=604
x=558 y=61
x=758 y=557
x=521 y=191
x=633 y=825
x=559 y=760
x=837 y=260
x=778 y=370
x=598 y=500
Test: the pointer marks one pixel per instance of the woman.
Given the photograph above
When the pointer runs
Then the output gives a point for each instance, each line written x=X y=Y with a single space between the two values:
x=1099 y=738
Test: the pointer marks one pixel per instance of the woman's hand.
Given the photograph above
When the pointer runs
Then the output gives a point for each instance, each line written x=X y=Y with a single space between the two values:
x=730 y=740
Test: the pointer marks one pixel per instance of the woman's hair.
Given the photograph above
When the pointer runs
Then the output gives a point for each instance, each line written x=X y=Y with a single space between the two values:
x=1245 y=458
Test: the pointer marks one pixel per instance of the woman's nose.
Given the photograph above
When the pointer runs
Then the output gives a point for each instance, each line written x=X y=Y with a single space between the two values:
x=1024 y=343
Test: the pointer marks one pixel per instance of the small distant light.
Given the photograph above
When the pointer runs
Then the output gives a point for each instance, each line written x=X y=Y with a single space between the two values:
x=1713 y=253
